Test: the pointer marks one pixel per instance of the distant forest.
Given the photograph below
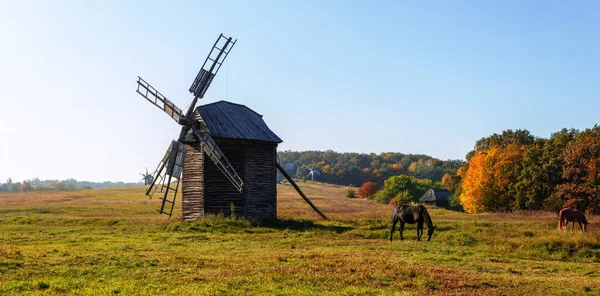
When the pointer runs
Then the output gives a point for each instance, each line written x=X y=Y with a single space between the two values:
x=36 y=184
x=358 y=168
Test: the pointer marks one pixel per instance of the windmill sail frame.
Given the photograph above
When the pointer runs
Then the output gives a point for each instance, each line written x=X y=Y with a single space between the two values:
x=159 y=100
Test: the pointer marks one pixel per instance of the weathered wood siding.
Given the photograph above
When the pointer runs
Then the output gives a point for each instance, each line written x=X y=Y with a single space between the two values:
x=206 y=190
x=260 y=189
x=219 y=194
x=192 y=201
x=442 y=203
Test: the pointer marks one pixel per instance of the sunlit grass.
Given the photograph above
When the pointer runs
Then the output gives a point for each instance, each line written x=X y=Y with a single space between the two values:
x=112 y=241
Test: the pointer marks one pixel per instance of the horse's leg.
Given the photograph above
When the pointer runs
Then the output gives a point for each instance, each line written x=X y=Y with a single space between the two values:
x=419 y=230
x=581 y=226
x=401 y=229
x=394 y=221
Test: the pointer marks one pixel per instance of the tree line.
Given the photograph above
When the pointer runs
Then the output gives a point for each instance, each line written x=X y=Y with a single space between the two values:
x=36 y=184
x=518 y=171
x=358 y=168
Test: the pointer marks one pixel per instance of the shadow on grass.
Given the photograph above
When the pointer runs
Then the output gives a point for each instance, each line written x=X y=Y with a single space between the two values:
x=301 y=225
x=222 y=224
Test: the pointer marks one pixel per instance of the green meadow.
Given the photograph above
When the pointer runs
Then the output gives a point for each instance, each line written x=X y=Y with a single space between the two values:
x=112 y=241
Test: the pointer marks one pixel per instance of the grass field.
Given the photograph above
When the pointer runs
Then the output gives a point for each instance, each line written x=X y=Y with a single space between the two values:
x=104 y=242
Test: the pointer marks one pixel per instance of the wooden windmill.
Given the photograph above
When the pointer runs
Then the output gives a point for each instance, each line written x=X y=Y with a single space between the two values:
x=223 y=133
x=147 y=178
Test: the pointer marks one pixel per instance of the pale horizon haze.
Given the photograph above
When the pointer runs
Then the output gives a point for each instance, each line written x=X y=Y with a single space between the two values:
x=350 y=76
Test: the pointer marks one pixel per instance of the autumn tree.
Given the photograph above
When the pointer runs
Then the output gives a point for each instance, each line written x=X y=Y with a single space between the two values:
x=517 y=137
x=581 y=172
x=477 y=186
x=367 y=190
x=451 y=182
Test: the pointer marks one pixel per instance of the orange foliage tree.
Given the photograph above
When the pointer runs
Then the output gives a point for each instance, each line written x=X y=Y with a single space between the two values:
x=477 y=182
x=489 y=181
x=367 y=190
x=451 y=182
x=581 y=172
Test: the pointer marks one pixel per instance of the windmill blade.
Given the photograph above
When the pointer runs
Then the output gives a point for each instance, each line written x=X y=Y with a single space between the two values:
x=212 y=64
x=210 y=68
x=285 y=174
x=157 y=99
x=216 y=155
x=171 y=165
x=157 y=176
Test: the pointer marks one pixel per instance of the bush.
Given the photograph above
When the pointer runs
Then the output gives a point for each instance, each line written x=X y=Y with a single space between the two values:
x=383 y=196
x=350 y=193
x=395 y=186
x=454 y=202
x=367 y=190
x=403 y=197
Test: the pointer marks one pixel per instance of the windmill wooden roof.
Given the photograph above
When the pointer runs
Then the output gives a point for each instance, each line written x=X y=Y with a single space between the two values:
x=435 y=194
x=234 y=121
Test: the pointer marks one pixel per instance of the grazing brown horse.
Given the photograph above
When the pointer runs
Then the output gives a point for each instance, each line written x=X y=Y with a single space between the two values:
x=412 y=214
x=567 y=215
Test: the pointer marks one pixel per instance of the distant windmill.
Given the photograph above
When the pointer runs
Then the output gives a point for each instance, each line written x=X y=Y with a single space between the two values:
x=312 y=173
x=147 y=178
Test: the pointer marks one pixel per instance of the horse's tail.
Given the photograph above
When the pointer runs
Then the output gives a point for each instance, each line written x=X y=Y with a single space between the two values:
x=395 y=213
x=560 y=218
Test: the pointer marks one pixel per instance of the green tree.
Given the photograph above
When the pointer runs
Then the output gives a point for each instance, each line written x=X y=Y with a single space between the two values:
x=26 y=186
x=395 y=185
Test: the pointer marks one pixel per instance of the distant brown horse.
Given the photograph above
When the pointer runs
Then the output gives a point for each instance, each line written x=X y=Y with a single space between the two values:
x=412 y=214
x=567 y=215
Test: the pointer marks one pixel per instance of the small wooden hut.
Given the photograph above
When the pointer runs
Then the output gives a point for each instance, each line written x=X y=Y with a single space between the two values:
x=436 y=197
x=290 y=169
x=251 y=148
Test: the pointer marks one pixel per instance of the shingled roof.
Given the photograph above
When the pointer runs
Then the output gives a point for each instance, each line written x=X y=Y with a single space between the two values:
x=234 y=121
x=434 y=194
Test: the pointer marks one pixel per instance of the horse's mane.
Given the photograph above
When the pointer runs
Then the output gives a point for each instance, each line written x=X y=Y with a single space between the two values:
x=426 y=217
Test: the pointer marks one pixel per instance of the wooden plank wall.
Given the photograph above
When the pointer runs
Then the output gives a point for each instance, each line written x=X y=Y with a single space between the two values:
x=192 y=201
x=261 y=173
x=206 y=190
x=219 y=193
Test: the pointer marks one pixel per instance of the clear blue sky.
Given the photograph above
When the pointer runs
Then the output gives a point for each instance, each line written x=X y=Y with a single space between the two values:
x=351 y=76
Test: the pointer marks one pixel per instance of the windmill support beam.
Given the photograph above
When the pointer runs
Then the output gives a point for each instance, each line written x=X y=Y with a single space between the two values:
x=301 y=193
